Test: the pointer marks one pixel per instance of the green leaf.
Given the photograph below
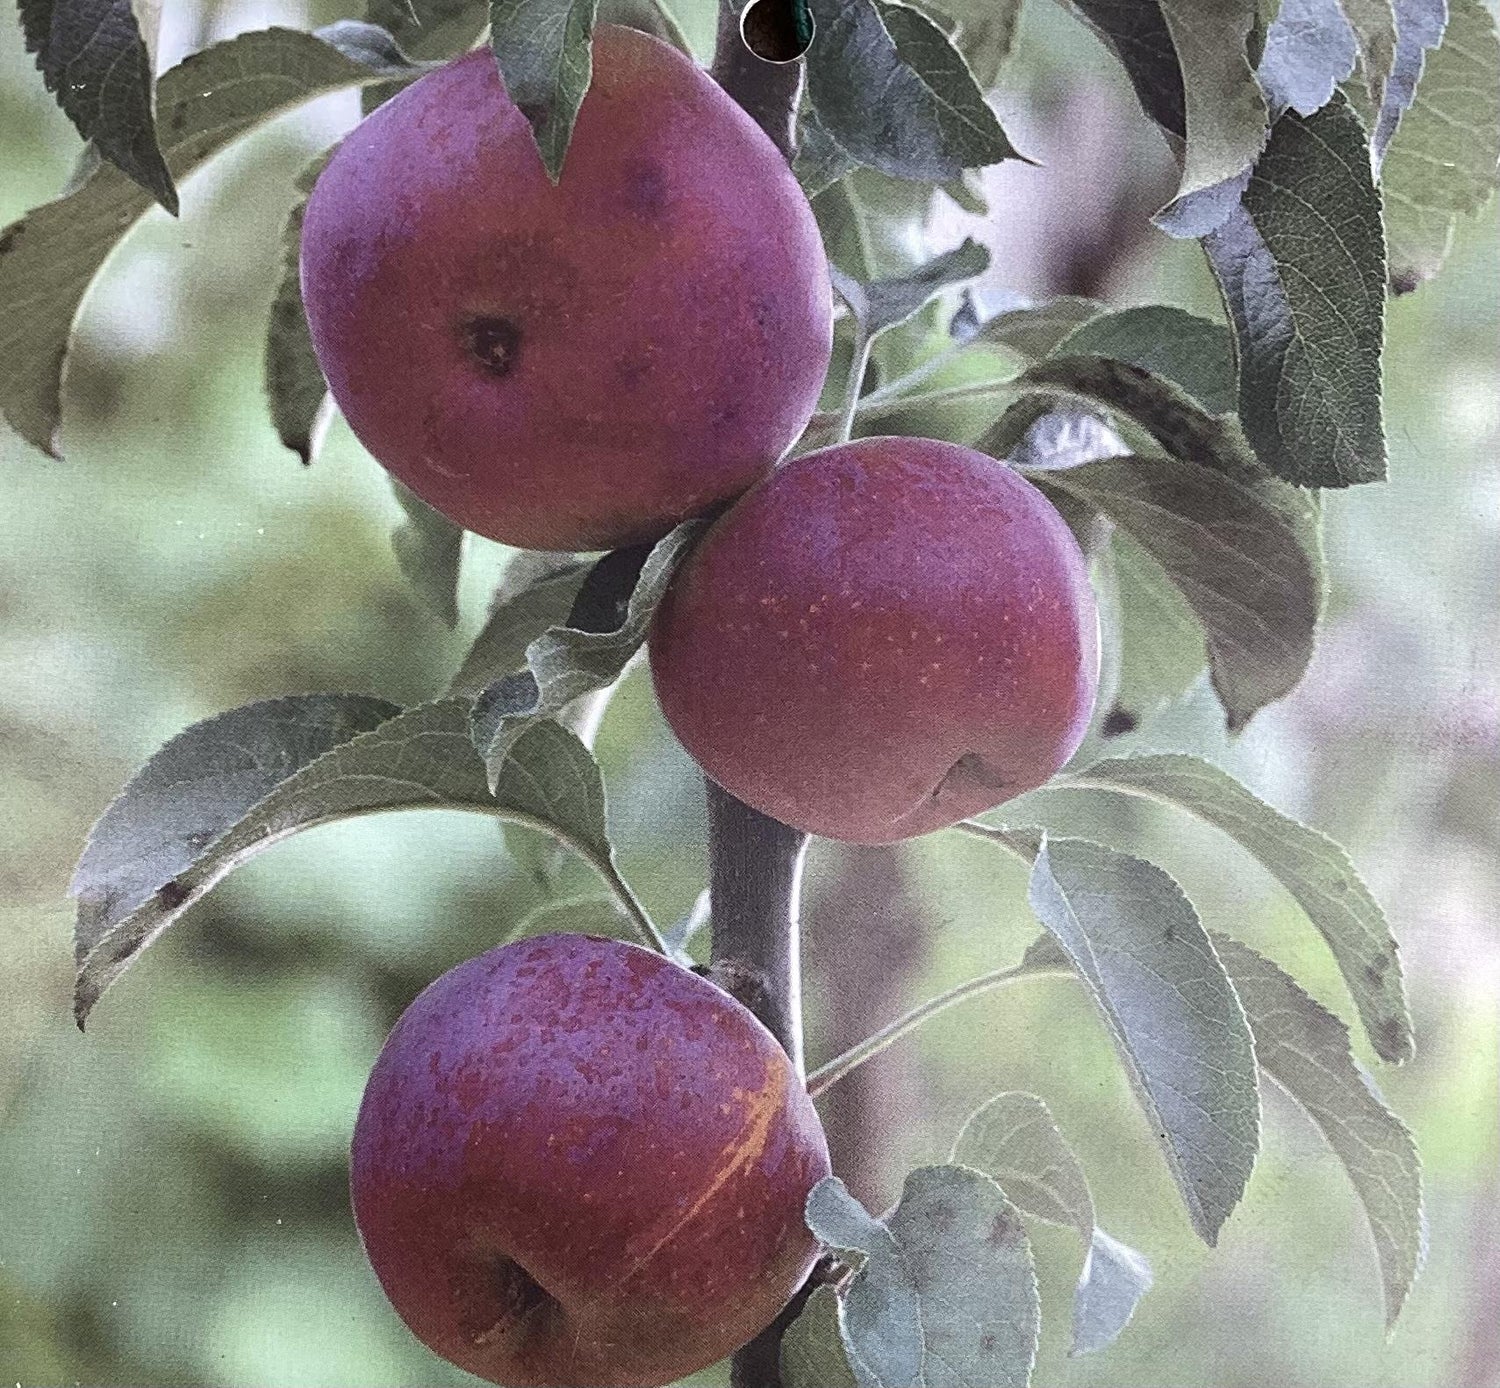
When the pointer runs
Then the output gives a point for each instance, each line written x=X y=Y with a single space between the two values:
x=545 y=52
x=95 y=60
x=178 y=825
x=890 y=302
x=1442 y=162
x=1035 y=332
x=552 y=779
x=429 y=551
x=575 y=915
x=812 y=1354
x=1241 y=563
x=1138 y=944
x=50 y=256
x=1302 y=267
x=1374 y=24
x=1310 y=48
x=1419 y=27
x=1015 y=1140
x=1314 y=869
x=1137 y=32
x=1162 y=649
x=894 y=94
x=1305 y=1049
x=1224 y=111
x=986 y=34
x=536 y=593
x=1194 y=353
x=947 y=1295
x=819 y=162
x=430 y=29
x=295 y=389
x=565 y=663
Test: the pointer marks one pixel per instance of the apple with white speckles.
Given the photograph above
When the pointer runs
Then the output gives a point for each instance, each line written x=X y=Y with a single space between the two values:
x=881 y=639
x=577 y=1163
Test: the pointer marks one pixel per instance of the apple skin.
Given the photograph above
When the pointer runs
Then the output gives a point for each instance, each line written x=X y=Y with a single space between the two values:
x=577 y=1163
x=880 y=639
x=580 y=366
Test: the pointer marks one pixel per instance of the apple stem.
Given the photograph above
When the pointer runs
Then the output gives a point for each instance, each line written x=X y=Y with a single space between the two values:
x=767 y=91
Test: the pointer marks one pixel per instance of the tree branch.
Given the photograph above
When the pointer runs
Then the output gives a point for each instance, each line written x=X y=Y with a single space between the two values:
x=768 y=91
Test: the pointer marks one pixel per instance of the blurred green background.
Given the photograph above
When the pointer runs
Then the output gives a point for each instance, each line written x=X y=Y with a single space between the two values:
x=172 y=1184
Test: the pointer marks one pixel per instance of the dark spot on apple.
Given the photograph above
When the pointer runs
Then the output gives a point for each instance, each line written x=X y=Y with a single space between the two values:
x=494 y=343
x=646 y=188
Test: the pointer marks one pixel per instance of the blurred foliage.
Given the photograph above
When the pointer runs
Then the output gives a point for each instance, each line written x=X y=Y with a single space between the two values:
x=172 y=1185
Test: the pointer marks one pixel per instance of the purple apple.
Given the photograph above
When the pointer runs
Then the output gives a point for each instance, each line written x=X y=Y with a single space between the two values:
x=575 y=366
x=577 y=1163
x=880 y=639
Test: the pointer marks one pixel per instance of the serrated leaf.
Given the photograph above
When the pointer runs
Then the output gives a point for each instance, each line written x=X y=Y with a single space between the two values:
x=888 y=303
x=1014 y=1139
x=1311 y=866
x=429 y=551
x=947 y=1295
x=1310 y=48
x=295 y=389
x=891 y=90
x=551 y=778
x=50 y=256
x=1137 y=942
x=94 y=59
x=1161 y=639
x=819 y=162
x=1224 y=111
x=1035 y=332
x=565 y=663
x=1194 y=353
x=812 y=1353
x=176 y=827
x=1419 y=27
x=545 y=52
x=1137 y=32
x=525 y=606
x=1302 y=267
x=1237 y=559
x=430 y=29
x=1442 y=162
x=1114 y=1279
x=1305 y=1049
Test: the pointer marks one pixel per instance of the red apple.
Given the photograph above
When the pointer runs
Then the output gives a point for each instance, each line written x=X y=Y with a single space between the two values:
x=578 y=366
x=879 y=640
x=579 y=1164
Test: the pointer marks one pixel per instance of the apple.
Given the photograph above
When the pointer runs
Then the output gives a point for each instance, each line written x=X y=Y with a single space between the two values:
x=577 y=1163
x=880 y=639
x=578 y=366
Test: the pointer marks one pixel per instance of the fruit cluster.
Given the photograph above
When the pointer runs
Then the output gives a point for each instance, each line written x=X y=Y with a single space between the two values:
x=576 y=1162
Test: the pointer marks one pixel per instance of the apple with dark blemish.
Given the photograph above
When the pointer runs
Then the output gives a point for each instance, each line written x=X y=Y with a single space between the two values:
x=577 y=1163
x=880 y=639
x=577 y=366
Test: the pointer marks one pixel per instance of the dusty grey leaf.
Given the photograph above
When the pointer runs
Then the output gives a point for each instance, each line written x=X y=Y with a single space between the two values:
x=1419 y=27
x=1138 y=944
x=888 y=303
x=429 y=551
x=1302 y=267
x=1035 y=332
x=1305 y=1049
x=95 y=60
x=1310 y=48
x=545 y=52
x=986 y=34
x=1311 y=866
x=1114 y=1279
x=1374 y=25
x=1194 y=353
x=50 y=256
x=551 y=779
